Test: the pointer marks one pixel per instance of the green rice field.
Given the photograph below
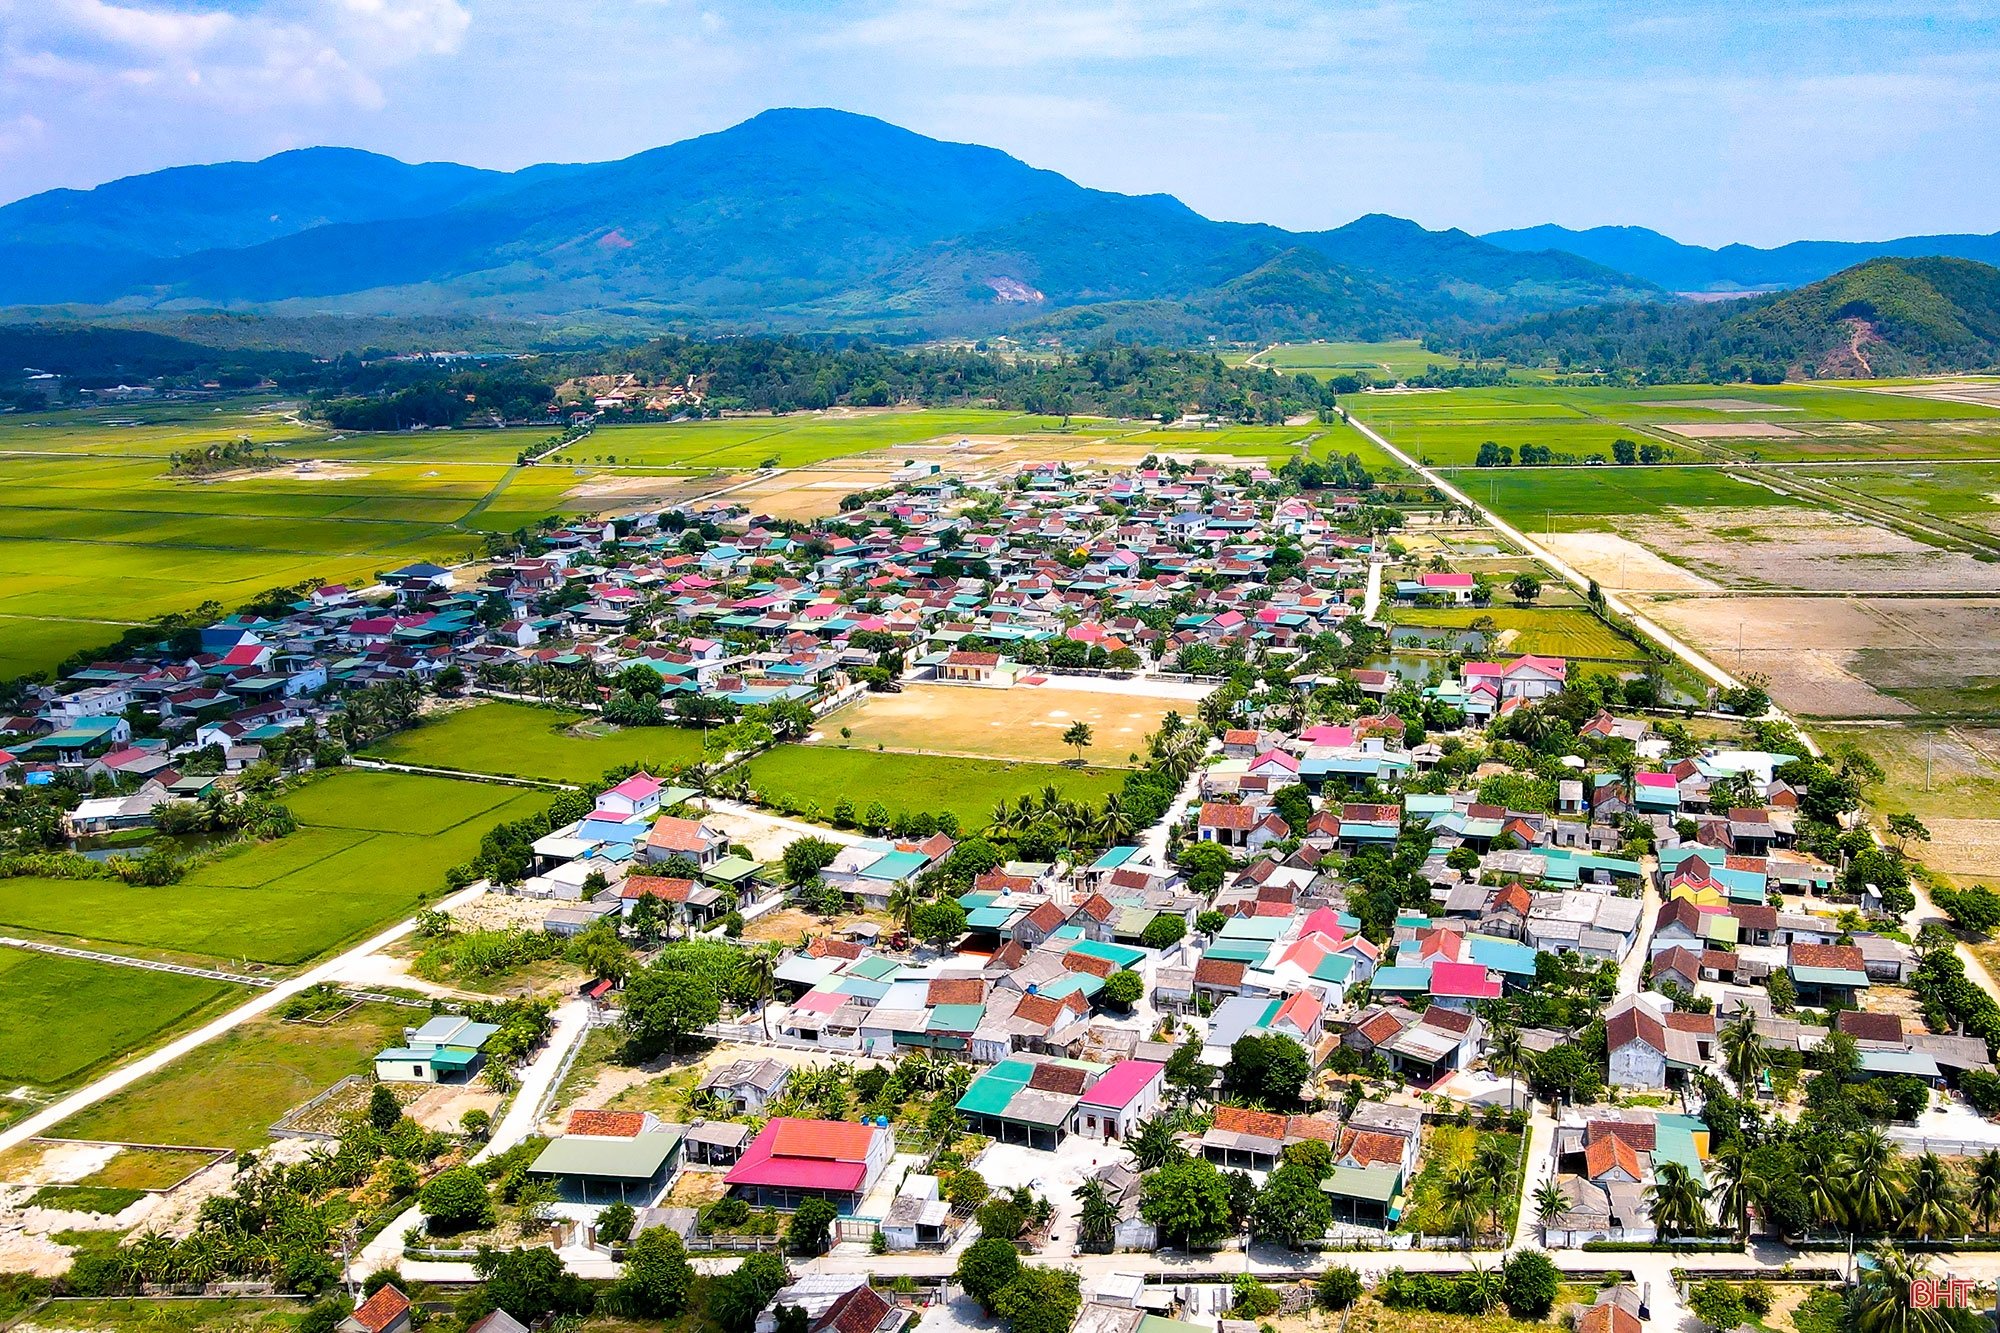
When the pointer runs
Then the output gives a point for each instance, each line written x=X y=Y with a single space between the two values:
x=521 y=740
x=227 y=1093
x=1400 y=358
x=1573 y=499
x=805 y=774
x=373 y=845
x=64 y=1017
x=1547 y=631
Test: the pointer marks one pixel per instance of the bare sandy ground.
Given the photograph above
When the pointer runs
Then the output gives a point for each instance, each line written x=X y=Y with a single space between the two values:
x=1623 y=565
x=1730 y=430
x=665 y=487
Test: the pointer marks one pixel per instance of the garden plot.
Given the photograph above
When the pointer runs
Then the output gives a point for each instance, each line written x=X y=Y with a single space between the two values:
x=1807 y=549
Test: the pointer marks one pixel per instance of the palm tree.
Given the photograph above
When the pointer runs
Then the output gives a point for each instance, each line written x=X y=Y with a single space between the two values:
x=1986 y=1187
x=1001 y=821
x=1494 y=1166
x=759 y=969
x=1112 y=821
x=1932 y=1205
x=1550 y=1203
x=1462 y=1196
x=1097 y=1219
x=1676 y=1202
x=903 y=902
x=1744 y=1055
x=1737 y=1187
x=1821 y=1181
x=1881 y=1301
x=1873 y=1170
x=1507 y=1056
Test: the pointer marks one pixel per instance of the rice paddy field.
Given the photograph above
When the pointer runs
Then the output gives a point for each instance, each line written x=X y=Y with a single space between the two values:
x=65 y=1017
x=1398 y=358
x=227 y=1093
x=1592 y=498
x=373 y=845
x=524 y=741
x=801 y=776
x=1547 y=631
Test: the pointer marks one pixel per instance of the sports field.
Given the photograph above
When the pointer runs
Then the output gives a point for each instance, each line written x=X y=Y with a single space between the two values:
x=1548 y=631
x=523 y=741
x=63 y=1017
x=807 y=774
x=227 y=1093
x=373 y=844
x=1019 y=723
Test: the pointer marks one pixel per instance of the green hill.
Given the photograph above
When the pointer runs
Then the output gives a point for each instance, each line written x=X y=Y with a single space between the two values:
x=1881 y=318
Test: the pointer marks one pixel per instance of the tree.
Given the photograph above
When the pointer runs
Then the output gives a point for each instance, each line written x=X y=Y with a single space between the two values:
x=1040 y=1300
x=455 y=1200
x=614 y=1223
x=736 y=1298
x=1291 y=1210
x=1507 y=1057
x=1906 y=829
x=1529 y=1284
x=966 y=1191
x=1986 y=1187
x=941 y=922
x=1744 y=1054
x=1164 y=931
x=383 y=1108
x=1271 y=1068
x=1208 y=921
x=1933 y=1206
x=664 y=1003
x=1463 y=1197
x=1884 y=1298
x=1187 y=1073
x=1097 y=1217
x=1525 y=587
x=1187 y=1199
x=805 y=858
x=1676 y=1201
x=812 y=1226
x=1123 y=988
x=658 y=1276
x=1154 y=1144
x=1078 y=738
x=1718 y=1305
x=986 y=1267
x=529 y=1284
x=1976 y=910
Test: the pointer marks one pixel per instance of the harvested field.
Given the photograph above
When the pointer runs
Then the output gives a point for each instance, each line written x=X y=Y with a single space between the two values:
x=1849 y=656
x=999 y=724
x=1621 y=564
x=1731 y=430
x=1793 y=547
x=808 y=493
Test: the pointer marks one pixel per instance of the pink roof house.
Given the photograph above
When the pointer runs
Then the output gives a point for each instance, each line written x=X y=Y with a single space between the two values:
x=1128 y=1093
x=793 y=1160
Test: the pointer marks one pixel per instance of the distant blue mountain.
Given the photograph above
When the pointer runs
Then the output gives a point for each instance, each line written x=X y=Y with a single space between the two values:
x=1733 y=268
x=793 y=219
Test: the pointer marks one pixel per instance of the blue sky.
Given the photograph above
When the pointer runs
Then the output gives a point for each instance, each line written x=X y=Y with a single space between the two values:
x=1713 y=122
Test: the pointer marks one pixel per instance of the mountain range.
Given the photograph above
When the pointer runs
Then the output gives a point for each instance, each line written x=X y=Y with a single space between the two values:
x=807 y=219
x=1679 y=267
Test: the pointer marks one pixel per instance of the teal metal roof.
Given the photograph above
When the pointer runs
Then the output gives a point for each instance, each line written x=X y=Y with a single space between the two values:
x=1119 y=954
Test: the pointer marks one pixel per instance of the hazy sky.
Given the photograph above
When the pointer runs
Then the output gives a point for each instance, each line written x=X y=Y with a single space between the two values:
x=1714 y=122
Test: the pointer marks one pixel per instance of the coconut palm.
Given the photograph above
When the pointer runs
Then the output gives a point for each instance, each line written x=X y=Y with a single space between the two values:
x=1872 y=1167
x=1737 y=1188
x=903 y=902
x=1097 y=1218
x=1881 y=1301
x=759 y=971
x=1744 y=1054
x=1676 y=1202
x=1494 y=1166
x=1462 y=1197
x=1001 y=820
x=1550 y=1203
x=1932 y=1205
x=1986 y=1187
x=1113 y=823
x=1507 y=1057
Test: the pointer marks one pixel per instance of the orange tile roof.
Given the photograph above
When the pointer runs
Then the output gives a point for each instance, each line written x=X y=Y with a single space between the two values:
x=382 y=1309
x=607 y=1124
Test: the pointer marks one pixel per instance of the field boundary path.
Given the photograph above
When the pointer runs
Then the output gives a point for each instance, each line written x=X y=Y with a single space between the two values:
x=463 y=774
x=123 y=1077
x=145 y=964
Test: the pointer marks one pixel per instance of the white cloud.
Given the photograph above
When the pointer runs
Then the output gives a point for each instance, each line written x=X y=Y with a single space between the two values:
x=305 y=53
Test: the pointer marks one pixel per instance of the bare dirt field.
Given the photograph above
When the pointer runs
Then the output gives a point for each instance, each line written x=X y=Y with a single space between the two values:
x=810 y=493
x=1847 y=656
x=1807 y=549
x=1730 y=430
x=1014 y=723
x=1977 y=389
x=647 y=487
x=1621 y=564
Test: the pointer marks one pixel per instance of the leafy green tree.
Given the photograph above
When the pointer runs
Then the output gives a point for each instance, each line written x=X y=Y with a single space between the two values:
x=529 y=1284
x=664 y=1004
x=1529 y=1284
x=455 y=1200
x=614 y=1222
x=1123 y=988
x=1269 y=1068
x=1337 y=1288
x=1078 y=737
x=735 y=1299
x=1097 y=1217
x=1040 y=1300
x=1187 y=1199
x=987 y=1266
x=1208 y=921
x=383 y=1108
x=658 y=1276
x=1291 y=1210
x=1525 y=587
x=812 y=1226
x=939 y=923
x=805 y=858
x=1164 y=930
